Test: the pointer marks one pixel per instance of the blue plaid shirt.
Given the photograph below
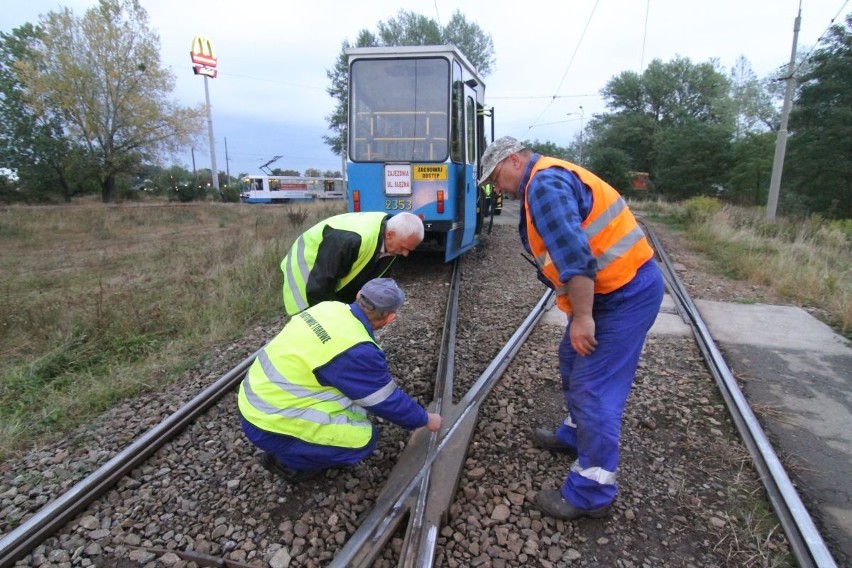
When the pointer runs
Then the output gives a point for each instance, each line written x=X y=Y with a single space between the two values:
x=559 y=202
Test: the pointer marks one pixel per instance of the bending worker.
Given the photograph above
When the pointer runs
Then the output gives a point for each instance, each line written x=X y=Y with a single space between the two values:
x=305 y=398
x=589 y=248
x=335 y=257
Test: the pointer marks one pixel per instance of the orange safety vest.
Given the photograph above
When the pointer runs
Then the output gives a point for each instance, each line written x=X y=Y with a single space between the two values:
x=615 y=238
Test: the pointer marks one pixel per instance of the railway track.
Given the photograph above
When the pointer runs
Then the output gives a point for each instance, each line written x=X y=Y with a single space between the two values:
x=422 y=485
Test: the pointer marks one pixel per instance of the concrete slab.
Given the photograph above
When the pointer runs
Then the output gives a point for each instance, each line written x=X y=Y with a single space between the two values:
x=668 y=321
x=781 y=327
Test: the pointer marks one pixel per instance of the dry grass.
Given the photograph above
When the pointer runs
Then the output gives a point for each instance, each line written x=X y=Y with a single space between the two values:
x=99 y=302
x=807 y=261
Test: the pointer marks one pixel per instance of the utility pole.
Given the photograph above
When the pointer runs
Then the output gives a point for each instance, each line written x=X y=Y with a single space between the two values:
x=227 y=161
x=194 y=176
x=781 y=140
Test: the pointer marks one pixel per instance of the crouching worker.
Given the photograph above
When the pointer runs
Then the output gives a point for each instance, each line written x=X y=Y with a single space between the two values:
x=305 y=398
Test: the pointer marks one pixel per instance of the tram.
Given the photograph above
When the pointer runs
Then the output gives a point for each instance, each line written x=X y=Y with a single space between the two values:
x=263 y=188
x=416 y=137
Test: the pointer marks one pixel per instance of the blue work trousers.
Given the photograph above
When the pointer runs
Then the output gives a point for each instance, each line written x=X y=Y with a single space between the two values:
x=303 y=456
x=596 y=386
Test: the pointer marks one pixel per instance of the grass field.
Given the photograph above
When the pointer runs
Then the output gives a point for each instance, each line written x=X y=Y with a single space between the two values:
x=99 y=302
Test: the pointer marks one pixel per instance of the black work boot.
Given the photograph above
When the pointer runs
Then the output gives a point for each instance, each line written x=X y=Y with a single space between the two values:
x=271 y=464
x=551 y=502
x=547 y=440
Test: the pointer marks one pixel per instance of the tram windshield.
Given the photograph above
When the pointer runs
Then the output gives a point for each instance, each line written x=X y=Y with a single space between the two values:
x=399 y=110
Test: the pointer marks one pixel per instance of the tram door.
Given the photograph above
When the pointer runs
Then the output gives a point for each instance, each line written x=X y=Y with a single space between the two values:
x=465 y=139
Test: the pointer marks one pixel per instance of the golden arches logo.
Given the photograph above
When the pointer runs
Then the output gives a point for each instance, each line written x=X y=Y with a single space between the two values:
x=202 y=52
x=203 y=57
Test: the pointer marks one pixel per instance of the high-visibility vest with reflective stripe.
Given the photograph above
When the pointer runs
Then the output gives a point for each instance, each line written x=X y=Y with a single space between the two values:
x=299 y=262
x=281 y=394
x=615 y=238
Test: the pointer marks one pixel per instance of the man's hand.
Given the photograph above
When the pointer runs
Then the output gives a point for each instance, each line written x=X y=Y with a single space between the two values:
x=583 y=335
x=581 y=293
x=434 y=423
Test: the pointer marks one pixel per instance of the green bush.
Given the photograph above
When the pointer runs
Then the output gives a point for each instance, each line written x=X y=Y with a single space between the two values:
x=699 y=209
x=231 y=193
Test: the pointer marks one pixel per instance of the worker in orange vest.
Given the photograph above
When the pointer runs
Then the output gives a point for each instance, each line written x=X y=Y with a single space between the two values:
x=588 y=247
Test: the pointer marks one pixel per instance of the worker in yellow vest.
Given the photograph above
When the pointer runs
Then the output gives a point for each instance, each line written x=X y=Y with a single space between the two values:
x=590 y=250
x=304 y=400
x=335 y=257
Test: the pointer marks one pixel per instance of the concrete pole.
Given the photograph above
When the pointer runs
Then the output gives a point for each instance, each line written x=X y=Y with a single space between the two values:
x=227 y=162
x=781 y=140
x=215 y=170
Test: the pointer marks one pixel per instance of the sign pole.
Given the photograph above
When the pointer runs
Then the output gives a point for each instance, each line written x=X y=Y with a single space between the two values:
x=204 y=63
x=214 y=171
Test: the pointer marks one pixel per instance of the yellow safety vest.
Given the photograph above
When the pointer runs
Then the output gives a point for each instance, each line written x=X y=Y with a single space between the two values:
x=615 y=238
x=299 y=262
x=281 y=394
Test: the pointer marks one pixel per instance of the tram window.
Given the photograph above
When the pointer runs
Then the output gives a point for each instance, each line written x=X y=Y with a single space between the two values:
x=470 y=122
x=457 y=120
x=399 y=109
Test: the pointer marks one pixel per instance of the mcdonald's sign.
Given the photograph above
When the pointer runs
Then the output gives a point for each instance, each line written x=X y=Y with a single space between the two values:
x=203 y=57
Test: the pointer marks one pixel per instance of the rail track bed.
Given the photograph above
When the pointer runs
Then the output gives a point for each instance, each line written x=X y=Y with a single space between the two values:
x=688 y=492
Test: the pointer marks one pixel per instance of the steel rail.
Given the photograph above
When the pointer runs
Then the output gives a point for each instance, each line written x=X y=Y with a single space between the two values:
x=421 y=536
x=52 y=516
x=374 y=531
x=805 y=540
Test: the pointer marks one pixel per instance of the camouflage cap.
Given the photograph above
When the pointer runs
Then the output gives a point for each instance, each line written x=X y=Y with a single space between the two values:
x=382 y=294
x=498 y=151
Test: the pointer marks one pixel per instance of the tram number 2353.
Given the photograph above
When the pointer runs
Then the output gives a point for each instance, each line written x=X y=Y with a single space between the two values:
x=398 y=204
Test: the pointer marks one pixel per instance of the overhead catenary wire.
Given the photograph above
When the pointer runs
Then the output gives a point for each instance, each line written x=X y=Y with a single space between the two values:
x=568 y=67
x=644 y=35
x=806 y=57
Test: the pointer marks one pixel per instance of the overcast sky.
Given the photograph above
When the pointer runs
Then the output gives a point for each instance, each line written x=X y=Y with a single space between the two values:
x=552 y=58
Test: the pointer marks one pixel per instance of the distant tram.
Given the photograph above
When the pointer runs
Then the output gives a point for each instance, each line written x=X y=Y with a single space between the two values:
x=284 y=189
x=416 y=136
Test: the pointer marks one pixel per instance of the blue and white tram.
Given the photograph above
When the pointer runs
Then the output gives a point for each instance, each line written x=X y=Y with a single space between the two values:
x=264 y=188
x=416 y=135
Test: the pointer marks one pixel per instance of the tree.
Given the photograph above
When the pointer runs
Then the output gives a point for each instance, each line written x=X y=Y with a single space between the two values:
x=407 y=28
x=101 y=76
x=752 y=101
x=550 y=149
x=819 y=161
x=613 y=166
x=32 y=142
x=692 y=159
x=748 y=181
x=674 y=121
